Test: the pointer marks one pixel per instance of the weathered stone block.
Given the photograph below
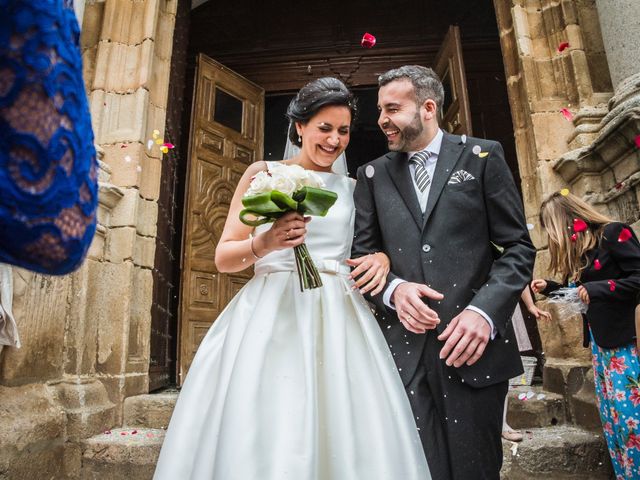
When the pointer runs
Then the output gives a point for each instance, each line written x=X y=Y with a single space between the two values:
x=124 y=160
x=119 y=117
x=32 y=432
x=535 y=412
x=147 y=217
x=120 y=244
x=40 y=306
x=129 y=22
x=144 y=251
x=150 y=177
x=561 y=337
x=122 y=68
x=124 y=213
x=152 y=410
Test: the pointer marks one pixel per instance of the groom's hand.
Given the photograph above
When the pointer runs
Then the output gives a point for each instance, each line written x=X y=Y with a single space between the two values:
x=413 y=313
x=466 y=338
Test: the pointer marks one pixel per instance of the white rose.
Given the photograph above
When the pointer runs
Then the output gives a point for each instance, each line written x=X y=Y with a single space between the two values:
x=296 y=173
x=313 y=180
x=282 y=183
x=261 y=183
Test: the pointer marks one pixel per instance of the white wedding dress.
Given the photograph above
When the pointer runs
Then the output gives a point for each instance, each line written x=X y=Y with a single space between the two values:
x=291 y=385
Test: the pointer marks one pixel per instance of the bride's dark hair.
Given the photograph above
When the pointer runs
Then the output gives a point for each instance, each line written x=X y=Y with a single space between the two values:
x=319 y=93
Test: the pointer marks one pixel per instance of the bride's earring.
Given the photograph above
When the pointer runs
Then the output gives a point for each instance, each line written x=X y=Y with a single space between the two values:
x=299 y=139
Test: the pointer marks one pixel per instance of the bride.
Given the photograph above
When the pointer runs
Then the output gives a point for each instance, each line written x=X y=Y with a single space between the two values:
x=289 y=384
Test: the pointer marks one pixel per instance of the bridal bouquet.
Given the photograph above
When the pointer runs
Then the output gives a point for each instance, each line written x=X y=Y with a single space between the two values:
x=284 y=189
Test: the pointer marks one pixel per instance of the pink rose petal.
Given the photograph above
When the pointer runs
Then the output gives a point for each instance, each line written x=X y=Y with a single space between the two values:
x=567 y=114
x=368 y=40
x=596 y=264
x=563 y=46
x=579 y=225
x=625 y=234
x=612 y=285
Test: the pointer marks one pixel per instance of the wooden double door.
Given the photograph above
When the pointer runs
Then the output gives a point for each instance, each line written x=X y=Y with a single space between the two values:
x=226 y=136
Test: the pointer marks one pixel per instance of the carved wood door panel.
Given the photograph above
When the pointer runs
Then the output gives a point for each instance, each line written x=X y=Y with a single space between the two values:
x=227 y=125
x=449 y=65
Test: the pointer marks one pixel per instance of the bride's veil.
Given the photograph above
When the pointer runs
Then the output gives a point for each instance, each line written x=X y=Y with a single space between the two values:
x=339 y=166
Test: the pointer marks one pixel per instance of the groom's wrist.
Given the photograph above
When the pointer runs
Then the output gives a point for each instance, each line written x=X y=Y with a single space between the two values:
x=387 y=296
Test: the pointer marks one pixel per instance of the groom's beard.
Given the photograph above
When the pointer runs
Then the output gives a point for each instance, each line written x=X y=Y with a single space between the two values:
x=408 y=135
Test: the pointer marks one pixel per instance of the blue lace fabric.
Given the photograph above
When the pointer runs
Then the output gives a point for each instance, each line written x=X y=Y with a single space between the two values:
x=48 y=167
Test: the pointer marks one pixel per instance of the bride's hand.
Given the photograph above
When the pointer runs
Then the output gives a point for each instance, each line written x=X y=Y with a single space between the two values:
x=287 y=232
x=372 y=271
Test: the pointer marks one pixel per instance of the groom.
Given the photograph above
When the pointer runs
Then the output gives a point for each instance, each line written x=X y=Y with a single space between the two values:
x=435 y=204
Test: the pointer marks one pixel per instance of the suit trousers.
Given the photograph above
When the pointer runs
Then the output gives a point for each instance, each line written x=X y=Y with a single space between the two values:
x=460 y=426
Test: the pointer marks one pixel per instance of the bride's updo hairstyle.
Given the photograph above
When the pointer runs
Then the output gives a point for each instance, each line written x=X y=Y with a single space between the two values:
x=312 y=97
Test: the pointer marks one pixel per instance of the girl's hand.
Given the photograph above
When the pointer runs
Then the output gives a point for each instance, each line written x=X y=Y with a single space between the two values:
x=583 y=294
x=536 y=312
x=372 y=270
x=287 y=232
x=538 y=285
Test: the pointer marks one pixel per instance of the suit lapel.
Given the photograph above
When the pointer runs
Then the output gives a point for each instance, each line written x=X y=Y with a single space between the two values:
x=450 y=152
x=398 y=169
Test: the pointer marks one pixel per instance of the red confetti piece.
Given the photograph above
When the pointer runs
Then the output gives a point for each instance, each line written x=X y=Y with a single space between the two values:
x=638 y=141
x=123 y=433
x=596 y=264
x=619 y=185
x=563 y=46
x=574 y=237
x=123 y=146
x=168 y=145
x=107 y=432
x=625 y=234
x=612 y=285
x=368 y=40
x=567 y=114
x=579 y=225
x=134 y=432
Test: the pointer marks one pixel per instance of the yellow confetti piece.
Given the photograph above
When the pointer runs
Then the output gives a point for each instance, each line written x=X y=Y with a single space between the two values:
x=564 y=192
x=164 y=149
x=483 y=154
x=156 y=133
x=159 y=141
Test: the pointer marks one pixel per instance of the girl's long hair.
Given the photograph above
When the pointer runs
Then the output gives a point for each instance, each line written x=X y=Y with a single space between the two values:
x=557 y=214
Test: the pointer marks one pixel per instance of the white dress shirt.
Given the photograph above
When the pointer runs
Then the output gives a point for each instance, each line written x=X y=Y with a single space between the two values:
x=434 y=151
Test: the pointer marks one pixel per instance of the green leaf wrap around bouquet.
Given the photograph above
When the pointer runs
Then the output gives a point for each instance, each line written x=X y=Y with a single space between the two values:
x=269 y=206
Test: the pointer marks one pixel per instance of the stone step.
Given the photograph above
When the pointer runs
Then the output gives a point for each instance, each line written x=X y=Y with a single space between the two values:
x=557 y=453
x=538 y=409
x=121 y=454
x=152 y=410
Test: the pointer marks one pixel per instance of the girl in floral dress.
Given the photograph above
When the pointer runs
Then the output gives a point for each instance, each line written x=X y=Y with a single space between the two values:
x=601 y=258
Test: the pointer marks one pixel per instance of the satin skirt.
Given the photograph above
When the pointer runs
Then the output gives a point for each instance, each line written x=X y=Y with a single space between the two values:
x=291 y=385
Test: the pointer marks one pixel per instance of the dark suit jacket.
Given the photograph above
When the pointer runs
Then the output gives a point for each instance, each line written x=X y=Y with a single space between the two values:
x=611 y=314
x=449 y=247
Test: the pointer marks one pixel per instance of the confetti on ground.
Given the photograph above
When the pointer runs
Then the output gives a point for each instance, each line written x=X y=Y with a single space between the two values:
x=476 y=149
x=514 y=449
x=596 y=264
x=564 y=192
x=522 y=396
x=579 y=225
x=625 y=234
x=368 y=40
x=541 y=396
x=530 y=395
x=563 y=46
x=612 y=285
x=567 y=114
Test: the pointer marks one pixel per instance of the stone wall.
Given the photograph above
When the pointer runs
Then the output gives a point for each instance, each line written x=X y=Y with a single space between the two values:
x=86 y=335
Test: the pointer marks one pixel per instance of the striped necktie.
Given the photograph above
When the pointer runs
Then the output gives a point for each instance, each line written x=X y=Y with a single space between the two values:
x=419 y=160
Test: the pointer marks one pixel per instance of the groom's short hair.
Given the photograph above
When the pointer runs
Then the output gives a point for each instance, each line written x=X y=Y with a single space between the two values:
x=425 y=81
